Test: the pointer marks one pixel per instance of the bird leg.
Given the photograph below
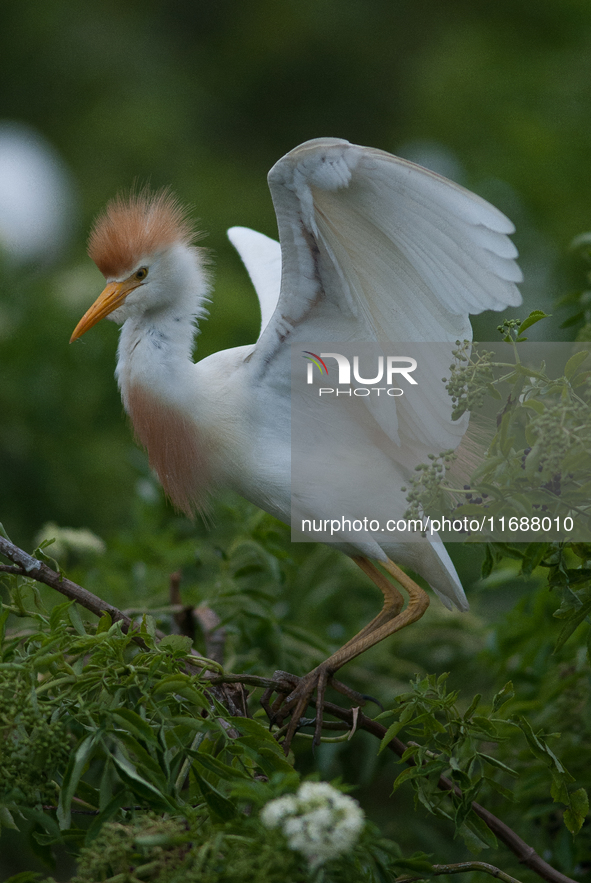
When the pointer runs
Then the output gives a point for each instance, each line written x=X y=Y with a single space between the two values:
x=390 y=619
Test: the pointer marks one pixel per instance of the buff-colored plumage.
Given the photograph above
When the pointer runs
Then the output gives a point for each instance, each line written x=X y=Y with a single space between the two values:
x=177 y=449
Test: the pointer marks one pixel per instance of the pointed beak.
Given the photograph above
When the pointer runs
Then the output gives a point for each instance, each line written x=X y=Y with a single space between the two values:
x=108 y=300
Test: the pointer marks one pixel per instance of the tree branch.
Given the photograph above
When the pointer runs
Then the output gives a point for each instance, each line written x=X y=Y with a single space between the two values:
x=32 y=568
x=28 y=566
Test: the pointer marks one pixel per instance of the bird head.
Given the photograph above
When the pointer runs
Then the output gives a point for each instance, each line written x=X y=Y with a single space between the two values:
x=142 y=244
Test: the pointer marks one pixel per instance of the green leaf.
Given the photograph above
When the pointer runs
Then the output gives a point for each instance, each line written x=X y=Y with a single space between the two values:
x=131 y=721
x=497 y=763
x=534 y=405
x=542 y=750
x=3 y=533
x=137 y=782
x=110 y=810
x=504 y=792
x=571 y=367
x=413 y=772
x=57 y=613
x=476 y=833
x=76 y=620
x=181 y=686
x=503 y=696
x=574 y=620
x=24 y=877
x=419 y=865
x=534 y=553
x=534 y=316
x=488 y=563
x=179 y=645
x=485 y=725
x=76 y=767
x=215 y=766
x=6 y=820
x=580 y=379
x=392 y=731
x=146 y=762
x=3 y=619
x=104 y=623
x=577 y=812
x=220 y=806
x=572 y=320
x=472 y=707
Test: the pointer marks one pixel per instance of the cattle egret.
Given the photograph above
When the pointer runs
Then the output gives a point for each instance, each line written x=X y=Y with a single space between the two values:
x=372 y=248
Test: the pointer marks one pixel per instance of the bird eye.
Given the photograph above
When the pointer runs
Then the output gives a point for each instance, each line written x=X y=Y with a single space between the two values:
x=141 y=273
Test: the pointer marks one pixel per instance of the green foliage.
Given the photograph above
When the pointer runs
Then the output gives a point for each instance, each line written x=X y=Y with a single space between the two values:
x=189 y=849
x=115 y=723
x=115 y=745
x=142 y=766
x=194 y=95
x=534 y=478
x=451 y=744
x=580 y=301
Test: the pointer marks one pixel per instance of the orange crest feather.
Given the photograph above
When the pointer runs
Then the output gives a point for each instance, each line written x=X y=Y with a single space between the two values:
x=135 y=226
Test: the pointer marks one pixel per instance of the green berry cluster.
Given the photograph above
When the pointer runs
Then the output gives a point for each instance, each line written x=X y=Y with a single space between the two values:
x=156 y=845
x=471 y=375
x=563 y=433
x=510 y=329
x=427 y=495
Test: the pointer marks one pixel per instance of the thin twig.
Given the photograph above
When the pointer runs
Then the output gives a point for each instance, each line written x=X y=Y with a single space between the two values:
x=461 y=868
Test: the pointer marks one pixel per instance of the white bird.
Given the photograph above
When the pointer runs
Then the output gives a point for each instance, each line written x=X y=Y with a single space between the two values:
x=372 y=248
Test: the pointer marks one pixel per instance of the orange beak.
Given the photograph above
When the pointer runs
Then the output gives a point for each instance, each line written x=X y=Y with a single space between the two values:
x=110 y=298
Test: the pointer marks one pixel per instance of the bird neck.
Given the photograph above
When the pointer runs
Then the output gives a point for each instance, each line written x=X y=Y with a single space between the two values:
x=156 y=376
x=156 y=342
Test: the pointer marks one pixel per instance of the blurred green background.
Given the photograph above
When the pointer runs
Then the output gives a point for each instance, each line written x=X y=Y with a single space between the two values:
x=205 y=97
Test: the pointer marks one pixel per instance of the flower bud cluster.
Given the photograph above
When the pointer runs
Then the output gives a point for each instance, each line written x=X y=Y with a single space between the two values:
x=33 y=744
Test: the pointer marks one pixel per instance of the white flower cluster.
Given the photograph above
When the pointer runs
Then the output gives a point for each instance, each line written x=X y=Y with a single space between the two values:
x=79 y=540
x=318 y=821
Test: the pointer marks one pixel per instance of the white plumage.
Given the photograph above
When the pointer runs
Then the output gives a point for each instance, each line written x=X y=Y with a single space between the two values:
x=372 y=248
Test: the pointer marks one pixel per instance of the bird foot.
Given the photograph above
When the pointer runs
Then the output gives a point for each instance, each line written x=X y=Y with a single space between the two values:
x=295 y=694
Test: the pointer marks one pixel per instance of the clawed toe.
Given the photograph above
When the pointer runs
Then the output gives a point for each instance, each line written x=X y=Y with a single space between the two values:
x=293 y=697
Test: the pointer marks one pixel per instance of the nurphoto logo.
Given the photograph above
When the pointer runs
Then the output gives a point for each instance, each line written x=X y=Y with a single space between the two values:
x=387 y=368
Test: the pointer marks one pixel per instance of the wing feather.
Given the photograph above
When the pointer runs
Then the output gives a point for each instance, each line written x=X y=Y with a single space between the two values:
x=382 y=229
x=262 y=258
x=375 y=248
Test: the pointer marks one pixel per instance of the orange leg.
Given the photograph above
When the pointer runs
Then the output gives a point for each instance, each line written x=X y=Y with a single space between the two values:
x=390 y=620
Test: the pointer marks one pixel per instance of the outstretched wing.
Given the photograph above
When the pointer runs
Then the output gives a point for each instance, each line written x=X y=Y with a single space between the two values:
x=401 y=251
x=376 y=248
x=262 y=258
